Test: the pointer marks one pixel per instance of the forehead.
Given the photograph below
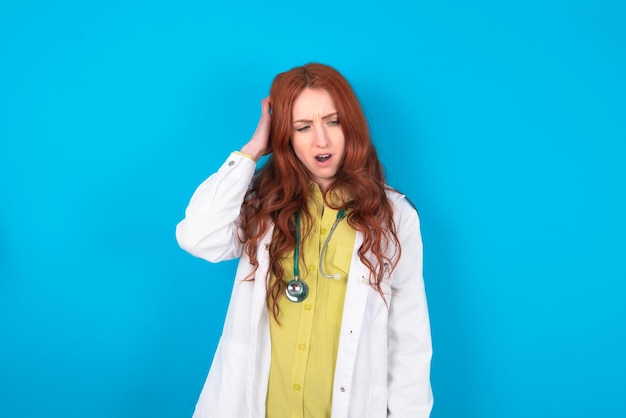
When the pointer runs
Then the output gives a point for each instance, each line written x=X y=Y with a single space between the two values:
x=313 y=102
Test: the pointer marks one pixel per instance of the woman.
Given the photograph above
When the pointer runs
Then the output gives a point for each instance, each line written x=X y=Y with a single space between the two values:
x=328 y=315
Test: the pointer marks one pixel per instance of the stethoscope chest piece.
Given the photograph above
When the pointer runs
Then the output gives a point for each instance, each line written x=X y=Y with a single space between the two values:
x=297 y=290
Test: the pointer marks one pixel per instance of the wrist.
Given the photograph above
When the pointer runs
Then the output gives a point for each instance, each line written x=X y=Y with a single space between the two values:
x=248 y=156
x=251 y=151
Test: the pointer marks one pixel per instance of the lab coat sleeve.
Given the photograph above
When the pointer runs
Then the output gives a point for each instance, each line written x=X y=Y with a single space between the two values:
x=409 y=341
x=210 y=228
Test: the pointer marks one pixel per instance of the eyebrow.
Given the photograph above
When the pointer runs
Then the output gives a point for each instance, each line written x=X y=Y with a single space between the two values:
x=330 y=115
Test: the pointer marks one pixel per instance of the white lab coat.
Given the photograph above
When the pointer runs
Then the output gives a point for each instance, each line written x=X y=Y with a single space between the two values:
x=383 y=358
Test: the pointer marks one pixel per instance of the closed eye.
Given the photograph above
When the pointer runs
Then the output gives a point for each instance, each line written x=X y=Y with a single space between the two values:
x=303 y=128
x=334 y=122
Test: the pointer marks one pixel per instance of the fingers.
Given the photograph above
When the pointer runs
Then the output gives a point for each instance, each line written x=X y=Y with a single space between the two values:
x=265 y=106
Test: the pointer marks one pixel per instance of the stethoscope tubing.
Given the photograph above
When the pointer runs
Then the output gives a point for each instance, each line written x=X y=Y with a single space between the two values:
x=330 y=234
x=297 y=290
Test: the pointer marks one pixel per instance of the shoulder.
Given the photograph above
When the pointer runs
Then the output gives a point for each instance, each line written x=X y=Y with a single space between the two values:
x=400 y=202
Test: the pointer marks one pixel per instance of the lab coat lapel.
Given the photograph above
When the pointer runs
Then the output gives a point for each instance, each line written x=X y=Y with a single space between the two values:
x=260 y=353
x=356 y=292
x=351 y=324
x=261 y=276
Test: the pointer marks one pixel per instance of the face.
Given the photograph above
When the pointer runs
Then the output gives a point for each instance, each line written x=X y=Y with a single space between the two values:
x=317 y=137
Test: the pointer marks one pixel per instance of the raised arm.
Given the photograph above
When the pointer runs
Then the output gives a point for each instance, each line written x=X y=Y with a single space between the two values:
x=210 y=227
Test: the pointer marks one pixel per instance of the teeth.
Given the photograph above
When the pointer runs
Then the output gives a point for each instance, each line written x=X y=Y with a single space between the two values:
x=322 y=157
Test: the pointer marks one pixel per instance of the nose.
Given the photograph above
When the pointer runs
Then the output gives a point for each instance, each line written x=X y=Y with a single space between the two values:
x=321 y=138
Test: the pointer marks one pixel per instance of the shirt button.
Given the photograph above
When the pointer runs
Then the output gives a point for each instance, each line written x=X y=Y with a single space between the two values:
x=301 y=346
x=323 y=231
x=267 y=246
x=342 y=388
x=296 y=387
x=311 y=267
x=307 y=306
x=231 y=163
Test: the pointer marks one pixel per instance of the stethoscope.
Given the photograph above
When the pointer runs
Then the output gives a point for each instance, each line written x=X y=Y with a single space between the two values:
x=297 y=290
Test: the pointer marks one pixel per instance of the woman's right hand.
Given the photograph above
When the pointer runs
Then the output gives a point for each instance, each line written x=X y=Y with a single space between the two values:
x=259 y=143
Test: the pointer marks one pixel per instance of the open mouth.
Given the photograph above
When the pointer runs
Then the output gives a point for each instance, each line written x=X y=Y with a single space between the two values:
x=322 y=157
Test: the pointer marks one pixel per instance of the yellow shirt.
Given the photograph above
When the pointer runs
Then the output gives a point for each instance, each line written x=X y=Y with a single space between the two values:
x=304 y=345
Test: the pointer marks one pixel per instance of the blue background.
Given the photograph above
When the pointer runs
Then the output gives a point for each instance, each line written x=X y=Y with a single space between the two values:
x=503 y=121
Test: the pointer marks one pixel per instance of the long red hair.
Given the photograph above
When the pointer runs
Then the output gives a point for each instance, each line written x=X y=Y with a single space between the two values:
x=279 y=188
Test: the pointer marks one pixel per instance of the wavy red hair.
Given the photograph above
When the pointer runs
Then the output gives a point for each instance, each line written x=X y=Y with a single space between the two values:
x=279 y=188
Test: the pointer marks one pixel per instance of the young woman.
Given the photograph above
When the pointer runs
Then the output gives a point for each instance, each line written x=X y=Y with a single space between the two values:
x=328 y=315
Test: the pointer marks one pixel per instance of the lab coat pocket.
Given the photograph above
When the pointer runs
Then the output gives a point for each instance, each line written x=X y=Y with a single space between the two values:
x=377 y=403
x=235 y=362
x=223 y=394
x=377 y=309
x=337 y=287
